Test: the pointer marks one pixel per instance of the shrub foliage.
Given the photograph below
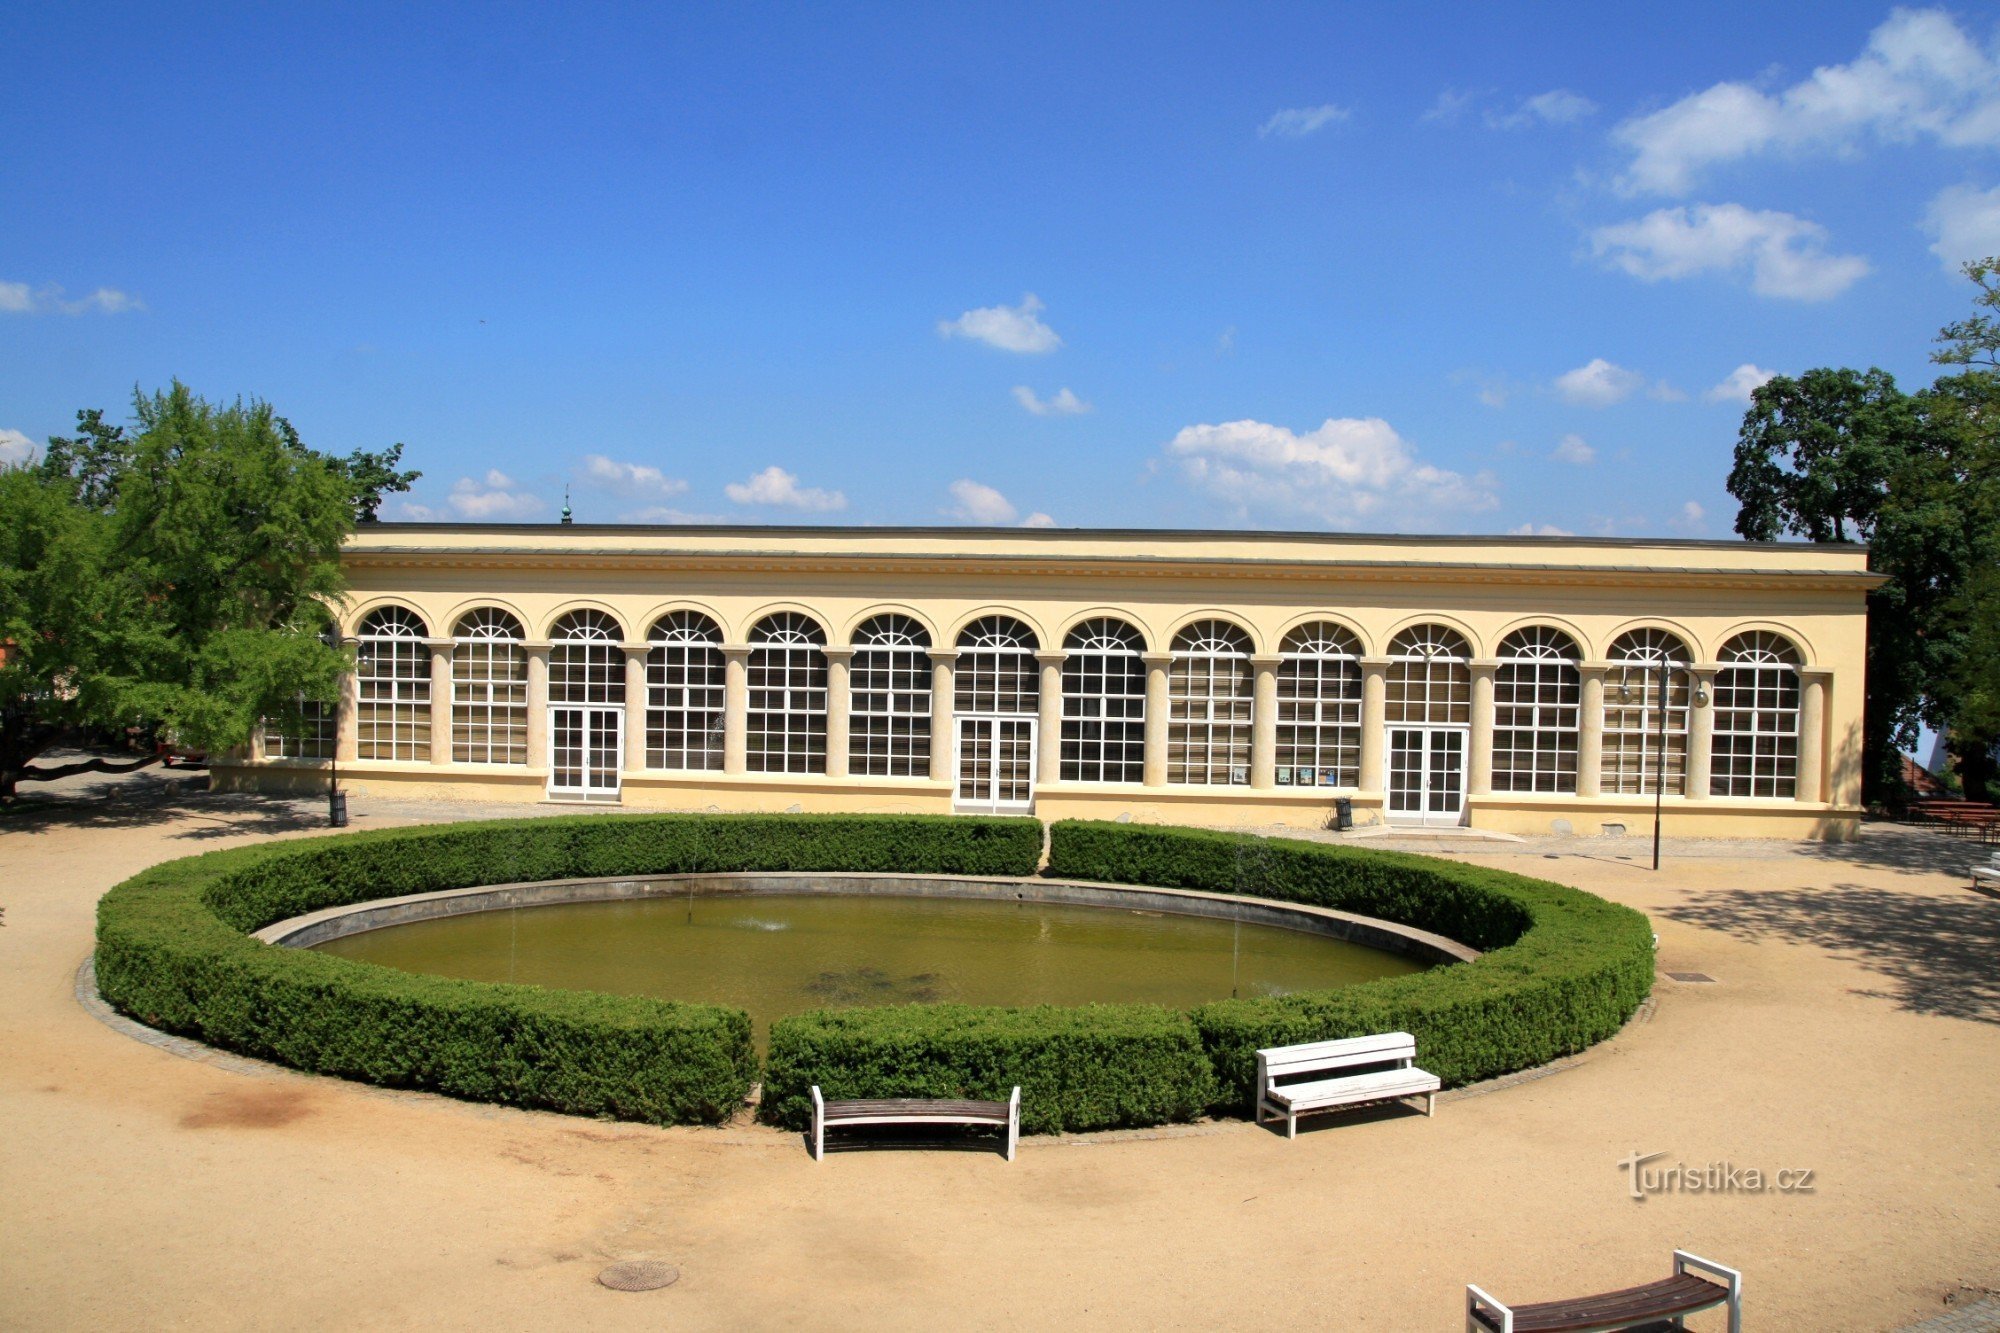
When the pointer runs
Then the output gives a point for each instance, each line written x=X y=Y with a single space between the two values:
x=173 y=952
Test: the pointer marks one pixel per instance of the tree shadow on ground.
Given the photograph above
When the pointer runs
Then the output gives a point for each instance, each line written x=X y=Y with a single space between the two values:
x=1937 y=953
x=155 y=799
x=1903 y=847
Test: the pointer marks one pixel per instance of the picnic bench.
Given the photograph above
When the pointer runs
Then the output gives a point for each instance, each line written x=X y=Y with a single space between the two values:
x=1005 y=1115
x=1971 y=819
x=1670 y=1298
x=1311 y=1077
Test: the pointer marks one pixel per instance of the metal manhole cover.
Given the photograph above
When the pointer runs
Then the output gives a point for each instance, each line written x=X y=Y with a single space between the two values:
x=639 y=1275
x=1693 y=978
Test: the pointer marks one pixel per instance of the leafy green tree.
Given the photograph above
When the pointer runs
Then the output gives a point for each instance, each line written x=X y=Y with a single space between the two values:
x=174 y=576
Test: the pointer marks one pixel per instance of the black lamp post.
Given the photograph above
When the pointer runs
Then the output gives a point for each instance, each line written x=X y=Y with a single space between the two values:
x=336 y=799
x=1659 y=672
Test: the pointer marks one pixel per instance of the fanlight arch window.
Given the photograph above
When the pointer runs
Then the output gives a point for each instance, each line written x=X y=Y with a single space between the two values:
x=1208 y=705
x=787 y=725
x=1645 y=725
x=1319 y=707
x=1428 y=680
x=997 y=671
x=1756 y=718
x=1104 y=703
x=587 y=659
x=889 y=716
x=1537 y=697
x=686 y=687
x=489 y=689
x=392 y=671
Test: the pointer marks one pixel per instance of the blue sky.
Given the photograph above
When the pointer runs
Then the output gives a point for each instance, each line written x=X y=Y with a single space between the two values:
x=1430 y=268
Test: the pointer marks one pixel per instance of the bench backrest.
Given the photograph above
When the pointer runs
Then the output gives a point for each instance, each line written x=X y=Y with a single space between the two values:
x=1348 y=1052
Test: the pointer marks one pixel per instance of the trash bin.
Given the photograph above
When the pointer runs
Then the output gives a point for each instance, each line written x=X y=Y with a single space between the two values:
x=336 y=809
x=1343 y=813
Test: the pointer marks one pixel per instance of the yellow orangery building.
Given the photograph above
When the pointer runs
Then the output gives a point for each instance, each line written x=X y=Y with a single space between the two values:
x=1520 y=684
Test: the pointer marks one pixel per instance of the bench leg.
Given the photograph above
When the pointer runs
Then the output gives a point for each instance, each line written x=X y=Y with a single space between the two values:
x=1292 y=1123
x=1430 y=1103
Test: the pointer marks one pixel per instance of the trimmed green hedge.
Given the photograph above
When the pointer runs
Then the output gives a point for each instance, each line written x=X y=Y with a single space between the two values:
x=1562 y=968
x=173 y=951
x=1098 y=1066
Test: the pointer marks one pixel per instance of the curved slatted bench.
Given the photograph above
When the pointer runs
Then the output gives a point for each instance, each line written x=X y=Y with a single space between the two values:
x=915 y=1111
x=1670 y=1298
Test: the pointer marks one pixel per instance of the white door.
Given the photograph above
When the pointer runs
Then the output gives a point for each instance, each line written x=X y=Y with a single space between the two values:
x=1427 y=775
x=586 y=750
x=996 y=765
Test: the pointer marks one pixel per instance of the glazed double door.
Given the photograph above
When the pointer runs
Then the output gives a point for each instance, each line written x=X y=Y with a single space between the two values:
x=586 y=752
x=996 y=765
x=1427 y=775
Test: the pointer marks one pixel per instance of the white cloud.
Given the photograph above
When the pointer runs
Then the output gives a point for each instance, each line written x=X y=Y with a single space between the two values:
x=1663 y=392
x=1300 y=121
x=1063 y=404
x=1011 y=328
x=775 y=486
x=630 y=477
x=17 y=298
x=1038 y=520
x=1347 y=470
x=1574 y=449
x=1598 y=384
x=1539 y=530
x=1920 y=76
x=494 y=496
x=1558 y=106
x=1691 y=521
x=1966 y=223
x=980 y=503
x=1739 y=384
x=15 y=447
x=1451 y=104
x=1786 y=256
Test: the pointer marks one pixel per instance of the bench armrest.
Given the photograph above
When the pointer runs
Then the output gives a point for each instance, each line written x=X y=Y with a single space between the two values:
x=1684 y=1261
x=1502 y=1317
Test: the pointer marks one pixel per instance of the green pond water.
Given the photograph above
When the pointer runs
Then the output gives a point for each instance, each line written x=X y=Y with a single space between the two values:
x=783 y=954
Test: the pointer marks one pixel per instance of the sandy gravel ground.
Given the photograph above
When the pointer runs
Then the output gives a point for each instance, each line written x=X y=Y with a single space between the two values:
x=1854 y=1032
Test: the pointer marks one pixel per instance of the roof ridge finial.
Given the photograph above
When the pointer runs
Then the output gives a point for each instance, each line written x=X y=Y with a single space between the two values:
x=565 y=512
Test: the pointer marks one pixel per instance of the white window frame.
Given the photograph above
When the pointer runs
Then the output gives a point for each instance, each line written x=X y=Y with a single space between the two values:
x=1629 y=741
x=687 y=693
x=1319 y=707
x=1210 y=699
x=1756 y=701
x=889 y=699
x=786 y=728
x=489 y=688
x=392 y=669
x=1537 y=712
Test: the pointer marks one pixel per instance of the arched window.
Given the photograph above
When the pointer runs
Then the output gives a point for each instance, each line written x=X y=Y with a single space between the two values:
x=392 y=670
x=890 y=711
x=1635 y=750
x=1208 y=705
x=1536 y=696
x=997 y=672
x=309 y=730
x=787 y=731
x=1756 y=718
x=489 y=689
x=587 y=659
x=1319 y=707
x=1104 y=703
x=1428 y=679
x=686 y=685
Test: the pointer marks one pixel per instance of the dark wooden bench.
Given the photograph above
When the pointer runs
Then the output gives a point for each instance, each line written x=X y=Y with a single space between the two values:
x=1005 y=1116
x=1671 y=1298
x=1965 y=818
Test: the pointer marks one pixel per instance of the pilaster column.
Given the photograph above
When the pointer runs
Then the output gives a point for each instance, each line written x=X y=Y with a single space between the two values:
x=1048 y=729
x=839 y=707
x=1374 y=723
x=1590 y=729
x=634 y=757
x=1812 y=733
x=944 y=680
x=346 y=718
x=1479 y=762
x=1701 y=730
x=538 y=704
x=1264 y=720
x=736 y=709
x=1156 y=718
x=440 y=701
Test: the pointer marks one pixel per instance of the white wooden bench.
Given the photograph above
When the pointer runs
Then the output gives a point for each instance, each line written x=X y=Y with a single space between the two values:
x=1988 y=875
x=915 y=1111
x=1332 y=1088
x=1671 y=1298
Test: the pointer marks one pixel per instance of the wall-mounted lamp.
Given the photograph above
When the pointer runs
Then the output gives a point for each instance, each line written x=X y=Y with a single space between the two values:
x=1701 y=696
